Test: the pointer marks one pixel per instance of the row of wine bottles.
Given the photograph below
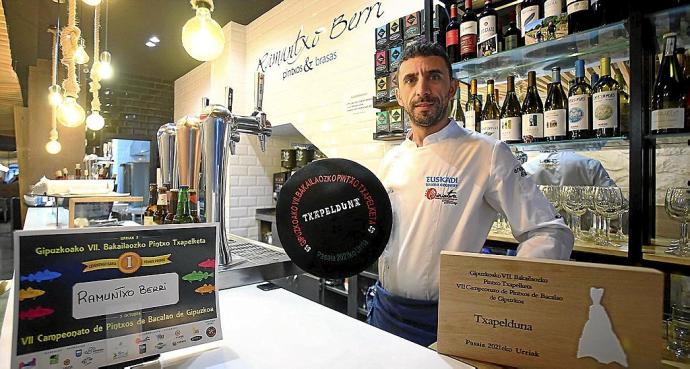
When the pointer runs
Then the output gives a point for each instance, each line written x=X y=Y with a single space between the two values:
x=584 y=112
x=465 y=32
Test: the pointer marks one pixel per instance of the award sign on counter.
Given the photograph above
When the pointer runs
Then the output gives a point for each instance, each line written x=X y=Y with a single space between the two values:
x=96 y=297
x=537 y=313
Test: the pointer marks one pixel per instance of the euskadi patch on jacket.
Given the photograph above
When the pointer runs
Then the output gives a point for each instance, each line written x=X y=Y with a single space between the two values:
x=442 y=188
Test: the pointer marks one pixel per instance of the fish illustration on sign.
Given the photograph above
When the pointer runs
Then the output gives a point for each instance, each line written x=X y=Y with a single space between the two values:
x=196 y=276
x=42 y=276
x=208 y=263
x=35 y=313
x=29 y=293
x=206 y=288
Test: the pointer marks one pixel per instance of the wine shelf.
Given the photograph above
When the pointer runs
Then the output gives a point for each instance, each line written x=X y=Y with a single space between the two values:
x=670 y=139
x=339 y=291
x=610 y=40
x=389 y=137
x=676 y=19
x=589 y=144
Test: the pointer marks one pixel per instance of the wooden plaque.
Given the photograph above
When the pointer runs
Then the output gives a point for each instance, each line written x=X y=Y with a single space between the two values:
x=536 y=313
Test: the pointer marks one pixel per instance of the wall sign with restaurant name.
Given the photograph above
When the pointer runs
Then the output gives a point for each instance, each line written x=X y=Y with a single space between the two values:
x=292 y=55
x=96 y=297
x=549 y=314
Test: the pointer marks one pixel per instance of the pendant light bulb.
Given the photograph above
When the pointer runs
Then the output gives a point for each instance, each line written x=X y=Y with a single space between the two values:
x=70 y=113
x=202 y=37
x=95 y=121
x=55 y=95
x=80 y=55
x=105 y=69
x=53 y=147
x=92 y=2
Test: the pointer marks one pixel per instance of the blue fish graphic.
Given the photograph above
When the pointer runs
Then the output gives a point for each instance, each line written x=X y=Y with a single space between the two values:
x=42 y=276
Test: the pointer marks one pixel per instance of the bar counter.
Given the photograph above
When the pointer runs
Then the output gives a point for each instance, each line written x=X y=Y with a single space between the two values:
x=279 y=329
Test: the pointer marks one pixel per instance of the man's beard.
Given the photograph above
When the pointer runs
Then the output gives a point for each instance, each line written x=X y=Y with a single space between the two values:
x=432 y=116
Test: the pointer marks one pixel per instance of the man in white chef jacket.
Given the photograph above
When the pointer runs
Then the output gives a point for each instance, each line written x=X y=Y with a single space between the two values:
x=446 y=185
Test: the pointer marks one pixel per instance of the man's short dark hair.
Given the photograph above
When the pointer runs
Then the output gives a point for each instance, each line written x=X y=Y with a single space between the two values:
x=425 y=48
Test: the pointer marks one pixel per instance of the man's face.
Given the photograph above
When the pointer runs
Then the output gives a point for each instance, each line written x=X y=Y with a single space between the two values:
x=425 y=89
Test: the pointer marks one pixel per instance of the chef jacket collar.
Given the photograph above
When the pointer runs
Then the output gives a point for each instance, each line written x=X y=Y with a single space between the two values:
x=451 y=130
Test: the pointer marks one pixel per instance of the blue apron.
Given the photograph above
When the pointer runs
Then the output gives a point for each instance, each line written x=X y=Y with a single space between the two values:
x=413 y=320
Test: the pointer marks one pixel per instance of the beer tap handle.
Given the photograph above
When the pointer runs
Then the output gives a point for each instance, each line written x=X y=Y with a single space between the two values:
x=259 y=98
x=262 y=142
x=234 y=139
x=230 y=98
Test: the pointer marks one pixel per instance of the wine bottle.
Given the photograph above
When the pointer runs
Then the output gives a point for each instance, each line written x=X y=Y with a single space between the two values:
x=668 y=98
x=532 y=112
x=605 y=103
x=456 y=112
x=607 y=11
x=487 y=22
x=468 y=33
x=473 y=108
x=172 y=205
x=624 y=103
x=183 y=214
x=512 y=37
x=491 y=115
x=511 y=115
x=161 y=205
x=579 y=105
x=555 y=109
x=595 y=79
x=151 y=208
x=553 y=8
x=579 y=16
x=453 y=35
x=528 y=13
x=497 y=96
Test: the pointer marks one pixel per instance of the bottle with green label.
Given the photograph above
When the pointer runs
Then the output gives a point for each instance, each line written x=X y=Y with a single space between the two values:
x=183 y=214
x=605 y=103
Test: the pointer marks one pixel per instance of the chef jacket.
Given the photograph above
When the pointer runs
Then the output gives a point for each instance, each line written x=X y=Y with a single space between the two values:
x=567 y=168
x=446 y=195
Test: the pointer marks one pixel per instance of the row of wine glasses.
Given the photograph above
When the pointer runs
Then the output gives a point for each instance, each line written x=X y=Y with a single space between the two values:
x=677 y=206
x=606 y=204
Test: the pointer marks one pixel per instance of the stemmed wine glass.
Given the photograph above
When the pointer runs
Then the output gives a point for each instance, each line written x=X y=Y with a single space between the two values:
x=572 y=199
x=608 y=201
x=677 y=205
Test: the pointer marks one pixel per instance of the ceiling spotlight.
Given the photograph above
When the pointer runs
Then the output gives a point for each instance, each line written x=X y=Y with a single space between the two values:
x=150 y=44
x=155 y=39
x=92 y=2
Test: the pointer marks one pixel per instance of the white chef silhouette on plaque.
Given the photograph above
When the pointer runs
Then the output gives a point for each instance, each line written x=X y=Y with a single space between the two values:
x=598 y=340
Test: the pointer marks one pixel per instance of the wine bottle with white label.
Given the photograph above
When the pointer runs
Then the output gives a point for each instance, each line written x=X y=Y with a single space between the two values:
x=553 y=8
x=456 y=112
x=487 y=22
x=555 y=109
x=532 y=112
x=491 y=115
x=528 y=13
x=668 y=98
x=605 y=103
x=511 y=115
x=473 y=108
x=580 y=105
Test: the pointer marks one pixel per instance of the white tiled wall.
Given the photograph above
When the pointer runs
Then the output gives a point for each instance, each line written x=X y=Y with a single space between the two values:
x=314 y=102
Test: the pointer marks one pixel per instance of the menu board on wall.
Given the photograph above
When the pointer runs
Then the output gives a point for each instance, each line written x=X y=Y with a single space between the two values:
x=95 y=297
x=549 y=314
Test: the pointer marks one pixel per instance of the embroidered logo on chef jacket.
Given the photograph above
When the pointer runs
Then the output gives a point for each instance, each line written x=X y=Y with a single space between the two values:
x=442 y=188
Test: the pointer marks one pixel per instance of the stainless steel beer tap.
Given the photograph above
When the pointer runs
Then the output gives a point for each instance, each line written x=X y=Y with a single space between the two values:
x=221 y=131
